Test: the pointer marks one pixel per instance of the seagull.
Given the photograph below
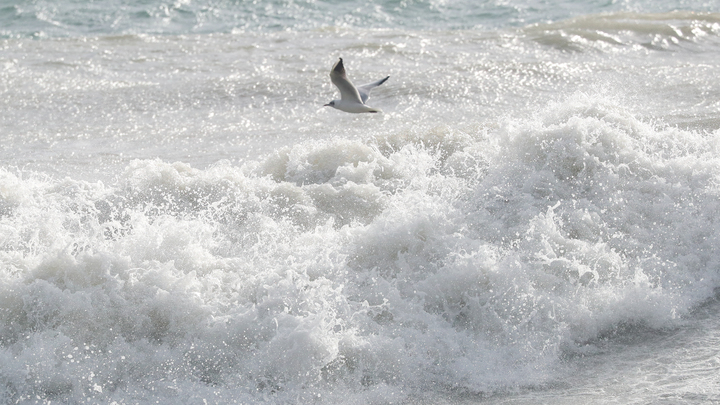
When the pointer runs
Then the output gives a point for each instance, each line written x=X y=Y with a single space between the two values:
x=352 y=99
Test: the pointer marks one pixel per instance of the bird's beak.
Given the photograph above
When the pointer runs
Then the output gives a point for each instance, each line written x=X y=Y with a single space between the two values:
x=326 y=105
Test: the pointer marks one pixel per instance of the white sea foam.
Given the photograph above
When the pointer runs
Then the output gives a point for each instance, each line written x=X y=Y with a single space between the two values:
x=360 y=271
x=532 y=219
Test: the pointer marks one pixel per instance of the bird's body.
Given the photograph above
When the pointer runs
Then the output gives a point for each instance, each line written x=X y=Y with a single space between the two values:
x=352 y=99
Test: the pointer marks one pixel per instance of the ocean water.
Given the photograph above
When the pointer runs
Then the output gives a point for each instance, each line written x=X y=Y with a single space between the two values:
x=532 y=219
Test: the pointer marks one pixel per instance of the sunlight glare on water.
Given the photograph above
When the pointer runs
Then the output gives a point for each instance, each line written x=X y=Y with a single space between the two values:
x=531 y=219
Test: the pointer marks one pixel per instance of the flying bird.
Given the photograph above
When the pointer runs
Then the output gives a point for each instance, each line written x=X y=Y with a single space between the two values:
x=352 y=99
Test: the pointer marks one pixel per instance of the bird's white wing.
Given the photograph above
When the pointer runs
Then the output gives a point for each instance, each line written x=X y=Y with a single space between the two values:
x=348 y=91
x=364 y=90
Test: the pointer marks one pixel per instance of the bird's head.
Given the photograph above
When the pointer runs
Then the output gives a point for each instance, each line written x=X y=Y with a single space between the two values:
x=330 y=104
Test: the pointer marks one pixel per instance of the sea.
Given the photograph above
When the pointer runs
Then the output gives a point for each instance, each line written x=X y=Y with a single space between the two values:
x=534 y=218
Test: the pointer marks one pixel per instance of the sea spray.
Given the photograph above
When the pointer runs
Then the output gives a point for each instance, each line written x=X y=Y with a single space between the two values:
x=465 y=259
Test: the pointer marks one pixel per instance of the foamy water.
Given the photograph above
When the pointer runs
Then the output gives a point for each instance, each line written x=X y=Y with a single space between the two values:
x=532 y=219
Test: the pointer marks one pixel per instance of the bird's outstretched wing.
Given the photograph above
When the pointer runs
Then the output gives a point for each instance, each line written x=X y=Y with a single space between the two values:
x=364 y=90
x=347 y=89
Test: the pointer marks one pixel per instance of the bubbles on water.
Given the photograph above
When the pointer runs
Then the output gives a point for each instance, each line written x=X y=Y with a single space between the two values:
x=468 y=259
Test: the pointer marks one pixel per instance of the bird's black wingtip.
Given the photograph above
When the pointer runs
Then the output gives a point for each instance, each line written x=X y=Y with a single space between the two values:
x=339 y=68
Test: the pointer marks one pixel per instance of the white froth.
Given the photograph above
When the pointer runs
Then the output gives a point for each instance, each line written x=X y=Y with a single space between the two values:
x=351 y=270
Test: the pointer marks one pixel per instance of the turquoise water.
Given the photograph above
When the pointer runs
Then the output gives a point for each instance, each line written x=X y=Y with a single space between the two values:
x=182 y=17
x=533 y=218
